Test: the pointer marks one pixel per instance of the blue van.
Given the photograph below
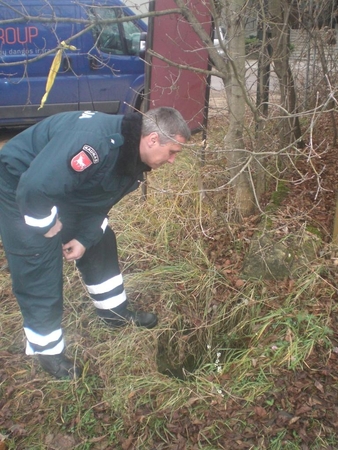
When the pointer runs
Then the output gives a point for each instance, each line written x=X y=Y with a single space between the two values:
x=105 y=72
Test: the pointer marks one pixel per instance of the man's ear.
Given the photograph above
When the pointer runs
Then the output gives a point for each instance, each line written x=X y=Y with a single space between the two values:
x=153 y=139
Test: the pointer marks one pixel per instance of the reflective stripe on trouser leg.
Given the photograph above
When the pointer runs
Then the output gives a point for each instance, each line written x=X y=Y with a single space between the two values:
x=50 y=344
x=35 y=264
x=37 y=285
x=101 y=274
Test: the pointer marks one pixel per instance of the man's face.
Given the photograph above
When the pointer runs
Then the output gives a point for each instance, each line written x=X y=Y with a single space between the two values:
x=155 y=154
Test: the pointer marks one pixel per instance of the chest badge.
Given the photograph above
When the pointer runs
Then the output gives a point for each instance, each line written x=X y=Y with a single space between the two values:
x=81 y=161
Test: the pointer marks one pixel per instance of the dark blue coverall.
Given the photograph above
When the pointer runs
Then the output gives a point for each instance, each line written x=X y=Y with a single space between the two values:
x=74 y=166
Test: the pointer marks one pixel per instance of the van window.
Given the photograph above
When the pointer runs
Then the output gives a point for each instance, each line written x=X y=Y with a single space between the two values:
x=116 y=38
x=132 y=38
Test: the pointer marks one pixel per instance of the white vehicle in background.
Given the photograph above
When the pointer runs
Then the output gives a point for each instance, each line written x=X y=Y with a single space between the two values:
x=220 y=39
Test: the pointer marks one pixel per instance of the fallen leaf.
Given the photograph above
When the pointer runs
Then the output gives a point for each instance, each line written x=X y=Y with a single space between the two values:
x=127 y=443
x=191 y=401
x=319 y=386
x=239 y=283
x=260 y=411
x=293 y=420
x=303 y=410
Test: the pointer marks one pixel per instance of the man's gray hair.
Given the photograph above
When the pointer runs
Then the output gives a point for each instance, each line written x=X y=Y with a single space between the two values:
x=166 y=122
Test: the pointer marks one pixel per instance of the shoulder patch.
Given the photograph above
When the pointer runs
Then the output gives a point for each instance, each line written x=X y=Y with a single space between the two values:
x=84 y=158
x=92 y=153
x=80 y=161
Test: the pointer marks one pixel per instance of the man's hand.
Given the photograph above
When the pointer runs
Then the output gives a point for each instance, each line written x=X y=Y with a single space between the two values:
x=56 y=228
x=73 y=250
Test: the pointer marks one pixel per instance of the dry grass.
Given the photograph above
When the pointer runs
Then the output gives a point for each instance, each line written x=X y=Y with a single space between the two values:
x=219 y=343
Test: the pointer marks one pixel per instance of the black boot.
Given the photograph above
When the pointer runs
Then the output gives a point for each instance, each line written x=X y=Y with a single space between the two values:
x=59 y=366
x=140 y=319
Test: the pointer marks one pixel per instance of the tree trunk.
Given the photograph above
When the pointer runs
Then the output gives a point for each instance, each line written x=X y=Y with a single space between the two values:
x=335 y=223
x=234 y=144
x=290 y=130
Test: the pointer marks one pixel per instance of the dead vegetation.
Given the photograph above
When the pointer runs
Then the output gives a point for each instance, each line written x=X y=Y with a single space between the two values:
x=235 y=363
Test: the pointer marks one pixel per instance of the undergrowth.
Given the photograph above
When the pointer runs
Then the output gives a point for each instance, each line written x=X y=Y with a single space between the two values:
x=220 y=358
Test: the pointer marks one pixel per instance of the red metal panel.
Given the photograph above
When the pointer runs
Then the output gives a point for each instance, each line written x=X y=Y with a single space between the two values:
x=173 y=37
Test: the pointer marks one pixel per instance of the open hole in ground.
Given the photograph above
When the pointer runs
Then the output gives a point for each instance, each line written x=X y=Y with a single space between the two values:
x=178 y=354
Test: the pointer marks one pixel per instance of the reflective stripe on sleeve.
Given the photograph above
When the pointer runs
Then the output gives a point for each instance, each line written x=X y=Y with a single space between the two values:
x=112 y=302
x=106 y=286
x=104 y=224
x=41 y=223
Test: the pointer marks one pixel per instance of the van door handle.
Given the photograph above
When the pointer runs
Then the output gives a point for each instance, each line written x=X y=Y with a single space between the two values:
x=94 y=62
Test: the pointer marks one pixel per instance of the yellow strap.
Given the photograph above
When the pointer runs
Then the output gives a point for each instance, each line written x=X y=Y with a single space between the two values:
x=54 y=68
